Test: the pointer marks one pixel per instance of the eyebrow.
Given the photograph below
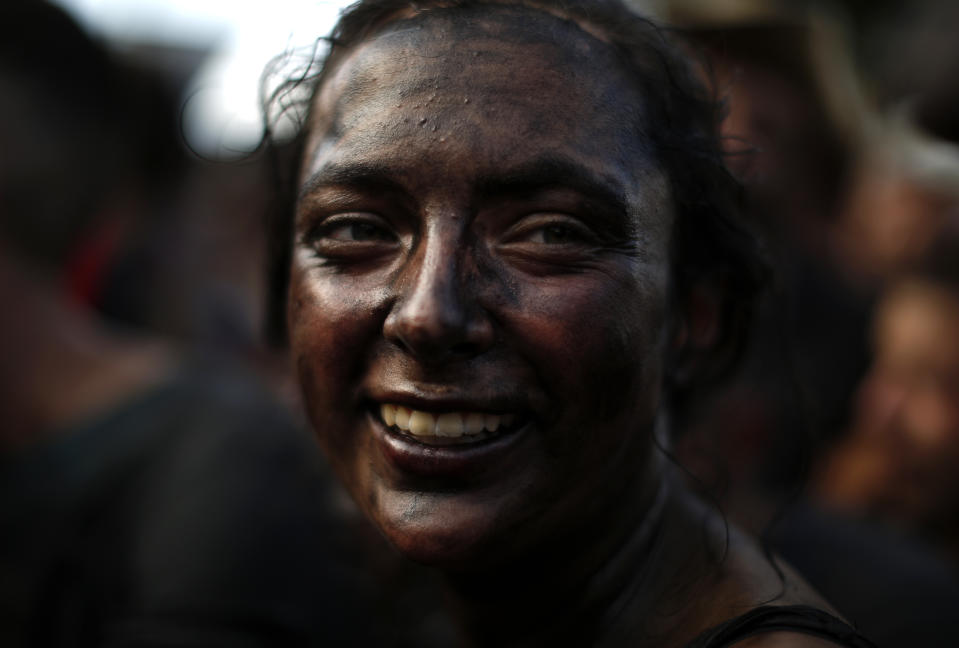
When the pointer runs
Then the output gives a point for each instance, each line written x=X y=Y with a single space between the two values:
x=365 y=176
x=604 y=195
x=527 y=179
x=552 y=171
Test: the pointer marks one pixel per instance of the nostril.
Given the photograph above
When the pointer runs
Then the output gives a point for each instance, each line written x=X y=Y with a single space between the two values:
x=436 y=318
x=464 y=348
x=438 y=339
x=437 y=349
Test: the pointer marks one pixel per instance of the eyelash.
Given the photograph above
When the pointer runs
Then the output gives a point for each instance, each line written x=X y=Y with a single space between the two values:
x=365 y=235
x=360 y=231
x=570 y=231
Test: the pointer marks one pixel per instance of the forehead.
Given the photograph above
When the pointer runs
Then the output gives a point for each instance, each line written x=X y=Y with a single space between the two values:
x=461 y=94
x=542 y=74
x=540 y=49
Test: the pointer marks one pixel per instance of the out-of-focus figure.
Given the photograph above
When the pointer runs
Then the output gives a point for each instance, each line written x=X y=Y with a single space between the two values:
x=847 y=197
x=900 y=460
x=793 y=157
x=903 y=194
x=88 y=146
x=848 y=194
x=148 y=495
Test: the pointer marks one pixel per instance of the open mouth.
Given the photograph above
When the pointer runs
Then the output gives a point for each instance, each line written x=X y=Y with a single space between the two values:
x=447 y=428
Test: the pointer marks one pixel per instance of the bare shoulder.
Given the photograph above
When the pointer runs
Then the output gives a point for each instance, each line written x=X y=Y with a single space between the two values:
x=752 y=598
x=752 y=574
x=785 y=640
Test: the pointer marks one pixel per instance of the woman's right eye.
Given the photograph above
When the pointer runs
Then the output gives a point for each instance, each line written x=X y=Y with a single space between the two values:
x=351 y=237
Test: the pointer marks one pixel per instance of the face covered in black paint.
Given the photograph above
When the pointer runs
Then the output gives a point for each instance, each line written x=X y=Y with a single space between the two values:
x=479 y=297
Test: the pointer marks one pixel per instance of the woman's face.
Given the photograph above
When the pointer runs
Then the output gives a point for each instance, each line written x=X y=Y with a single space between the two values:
x=478 y=305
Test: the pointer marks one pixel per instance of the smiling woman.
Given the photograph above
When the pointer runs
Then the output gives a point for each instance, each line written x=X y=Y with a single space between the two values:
x=513 y=248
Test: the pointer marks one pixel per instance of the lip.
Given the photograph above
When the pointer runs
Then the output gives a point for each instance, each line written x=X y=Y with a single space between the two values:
x=458 y=461
x=435 y=398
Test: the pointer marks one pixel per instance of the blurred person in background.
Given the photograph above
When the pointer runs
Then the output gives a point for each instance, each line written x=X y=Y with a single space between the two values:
x=807 y=351
x=902 y=196
x=147 y=496
x=900 y=461
x=845 y=198
x=878 y=530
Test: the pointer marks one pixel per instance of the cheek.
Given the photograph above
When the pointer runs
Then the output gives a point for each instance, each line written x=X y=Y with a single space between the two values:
x=598 y=344
x=333 y=326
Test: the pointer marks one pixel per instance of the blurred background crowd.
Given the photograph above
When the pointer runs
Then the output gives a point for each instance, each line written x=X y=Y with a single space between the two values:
x=157 y=486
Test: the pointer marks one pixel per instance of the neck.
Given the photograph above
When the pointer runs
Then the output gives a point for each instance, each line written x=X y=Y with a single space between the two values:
x=574 y=589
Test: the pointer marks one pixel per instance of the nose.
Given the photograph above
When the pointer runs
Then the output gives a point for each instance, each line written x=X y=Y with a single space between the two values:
x=437 y=316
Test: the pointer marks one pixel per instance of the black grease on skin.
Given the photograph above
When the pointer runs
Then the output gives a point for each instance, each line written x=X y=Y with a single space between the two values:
x=377 y=118
x=517 y=25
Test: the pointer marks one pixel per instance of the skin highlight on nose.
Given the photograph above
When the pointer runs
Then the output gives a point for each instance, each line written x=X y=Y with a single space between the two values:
x=436 y=313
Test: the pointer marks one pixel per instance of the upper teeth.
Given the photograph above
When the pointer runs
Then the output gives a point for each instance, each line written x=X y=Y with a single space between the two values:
x=448 y=424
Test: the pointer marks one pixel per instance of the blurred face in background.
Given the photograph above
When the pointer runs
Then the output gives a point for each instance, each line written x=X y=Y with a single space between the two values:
x=889 y=220
x=911 y=397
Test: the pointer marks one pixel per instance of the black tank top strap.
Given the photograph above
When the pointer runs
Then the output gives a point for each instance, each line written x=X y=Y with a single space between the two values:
x=786 y=618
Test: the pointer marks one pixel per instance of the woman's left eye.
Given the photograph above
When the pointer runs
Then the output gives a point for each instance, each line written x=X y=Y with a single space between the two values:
x=550 y=230
x=554 y=235
x=358 y=232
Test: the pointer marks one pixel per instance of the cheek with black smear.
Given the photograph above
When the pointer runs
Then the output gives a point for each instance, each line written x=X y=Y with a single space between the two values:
x=332 y=333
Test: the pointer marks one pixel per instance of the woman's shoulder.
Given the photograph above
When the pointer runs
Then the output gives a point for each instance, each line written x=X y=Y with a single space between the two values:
x=787 y=639
x=739 y=594
x=783 y=626
x=773 y=605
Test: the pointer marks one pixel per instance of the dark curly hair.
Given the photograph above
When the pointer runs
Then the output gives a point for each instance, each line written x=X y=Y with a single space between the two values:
x=683 y=116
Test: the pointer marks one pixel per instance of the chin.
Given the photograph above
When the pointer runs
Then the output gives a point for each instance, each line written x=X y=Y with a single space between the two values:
x=450 y=531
